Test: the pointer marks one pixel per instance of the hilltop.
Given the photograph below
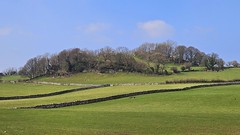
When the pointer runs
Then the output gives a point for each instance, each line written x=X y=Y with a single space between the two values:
x=165 y=58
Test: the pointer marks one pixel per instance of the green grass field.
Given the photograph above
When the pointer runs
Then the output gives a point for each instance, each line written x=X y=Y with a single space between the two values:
x=21 y=89
x=88 y=94
x=212 y=110
x=13 y=78
x=118 y=78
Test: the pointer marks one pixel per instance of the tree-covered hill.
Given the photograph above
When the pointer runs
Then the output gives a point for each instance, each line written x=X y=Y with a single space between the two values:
x=150 y=58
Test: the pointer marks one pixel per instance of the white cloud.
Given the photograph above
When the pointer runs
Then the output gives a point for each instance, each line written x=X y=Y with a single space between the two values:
x=5 y=31
x=93 y=28
x=156 y=29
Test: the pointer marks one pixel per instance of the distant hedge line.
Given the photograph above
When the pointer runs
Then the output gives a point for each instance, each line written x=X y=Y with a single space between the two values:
x=89 y=101
x=53 y=93
x=200 y=81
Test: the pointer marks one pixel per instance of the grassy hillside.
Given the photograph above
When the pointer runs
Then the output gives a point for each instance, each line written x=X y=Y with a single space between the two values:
x=88 y=94
x=212 y=110
x=117 y=78
x=13 y=78
x=20 y=89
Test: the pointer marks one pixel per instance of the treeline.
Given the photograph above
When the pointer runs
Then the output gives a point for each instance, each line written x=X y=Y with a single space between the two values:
x=162 y=53
x=77 y=60
x=147 y=58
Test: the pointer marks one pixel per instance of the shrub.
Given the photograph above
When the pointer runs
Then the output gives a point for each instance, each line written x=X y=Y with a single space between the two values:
x=188 y=66
x=174 y=69
x=166 y=72
x=183 y=68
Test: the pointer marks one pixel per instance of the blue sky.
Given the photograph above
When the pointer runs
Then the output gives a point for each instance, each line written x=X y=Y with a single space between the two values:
x=34 y=27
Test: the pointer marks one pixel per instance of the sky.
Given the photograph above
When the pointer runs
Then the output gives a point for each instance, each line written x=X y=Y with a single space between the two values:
x=29 y=28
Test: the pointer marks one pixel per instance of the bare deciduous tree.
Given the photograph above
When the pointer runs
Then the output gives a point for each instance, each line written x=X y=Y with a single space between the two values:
x=149 y=57
x=213 y=62
x=180 y=54
x=233 y=63
x=10 y=71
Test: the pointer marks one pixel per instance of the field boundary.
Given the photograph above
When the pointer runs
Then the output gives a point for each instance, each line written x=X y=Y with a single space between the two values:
x=176 y=81
x=89 y=101
x=53 y=93
x=65 y=84
x=199 y=81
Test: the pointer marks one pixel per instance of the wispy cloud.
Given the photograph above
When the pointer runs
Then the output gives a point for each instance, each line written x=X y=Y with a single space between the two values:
x=93 y=28
x=5 y=31
x=156 y=29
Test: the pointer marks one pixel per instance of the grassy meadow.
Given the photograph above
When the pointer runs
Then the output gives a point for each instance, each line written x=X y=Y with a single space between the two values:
x=118 y=78
x=212 y=110
x=13 y=78
x=23 y=89
x=88 y=94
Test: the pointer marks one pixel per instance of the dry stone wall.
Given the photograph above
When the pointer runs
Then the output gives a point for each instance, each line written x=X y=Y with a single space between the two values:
x=53 y=93
x=82 y=102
